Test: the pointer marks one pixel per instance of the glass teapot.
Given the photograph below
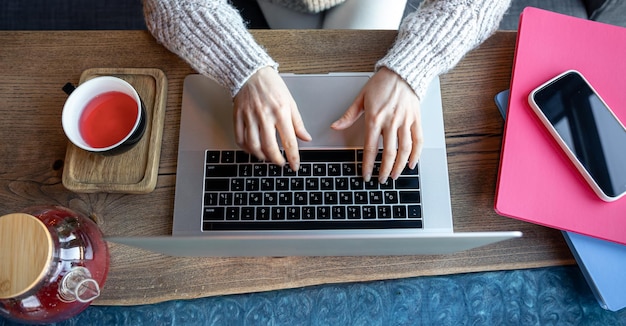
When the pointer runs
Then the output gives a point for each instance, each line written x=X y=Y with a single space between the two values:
x=53 y=263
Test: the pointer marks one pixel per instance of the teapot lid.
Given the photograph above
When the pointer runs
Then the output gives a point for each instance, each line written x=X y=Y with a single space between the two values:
x=26 y=249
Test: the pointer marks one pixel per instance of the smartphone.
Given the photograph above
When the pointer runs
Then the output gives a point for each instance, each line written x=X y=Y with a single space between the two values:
x=586 y=129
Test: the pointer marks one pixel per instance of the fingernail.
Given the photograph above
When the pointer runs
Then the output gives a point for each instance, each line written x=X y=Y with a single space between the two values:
x=367 y=177
x=382 y=180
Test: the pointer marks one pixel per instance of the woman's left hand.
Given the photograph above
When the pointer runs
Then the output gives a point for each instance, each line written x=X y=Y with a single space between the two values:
x=392 y=109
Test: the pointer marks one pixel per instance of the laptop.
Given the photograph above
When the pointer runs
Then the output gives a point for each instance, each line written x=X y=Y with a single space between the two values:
x=216 y=214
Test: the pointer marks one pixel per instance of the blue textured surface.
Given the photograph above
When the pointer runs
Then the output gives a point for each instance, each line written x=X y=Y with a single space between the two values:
x=545 y=296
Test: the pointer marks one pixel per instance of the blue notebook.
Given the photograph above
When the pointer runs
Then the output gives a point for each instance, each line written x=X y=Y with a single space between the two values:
x=603 y=263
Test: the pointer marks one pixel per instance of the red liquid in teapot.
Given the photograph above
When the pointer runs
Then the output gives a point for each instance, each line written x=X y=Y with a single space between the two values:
x=108 y=119
x=80 y=244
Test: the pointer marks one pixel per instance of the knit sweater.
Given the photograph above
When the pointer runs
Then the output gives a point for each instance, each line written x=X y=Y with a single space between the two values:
x=212 y=37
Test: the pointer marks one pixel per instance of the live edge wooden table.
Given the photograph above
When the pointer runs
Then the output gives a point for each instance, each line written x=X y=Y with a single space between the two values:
x=35 y=65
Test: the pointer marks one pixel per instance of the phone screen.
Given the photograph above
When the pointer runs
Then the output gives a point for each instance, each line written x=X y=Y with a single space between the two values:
x=588 y=128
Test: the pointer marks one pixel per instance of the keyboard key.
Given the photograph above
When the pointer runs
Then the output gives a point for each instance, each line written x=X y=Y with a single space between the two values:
x=293 y=213
x=391 y=197
x=238 y=184
x=356 y=183
x=285 y=198
x=338 y=212
x=361 y=197
x=270 y=198
x=259 y=170
x=369 y=212
x=267 y=184
x=407 y=183
x=255 y=198
x=312 y=184
x=376 y=197
x=331 y=198
x=300 y=198
x=323 y=212
x=334 y=169
x=221 y=184
x=228 y=157
x=212 y=156
x=414 y=211
x=409 y=197
x=333 y=155
x=226 y=199
x=247 y=213
x=345 y=198
x=211 y=199
x=353 y=212
x=372 y=184
x=263 y=213
x=348 y=169
x=384 y=212
x=253 y=184
x=278 y=213
x=245 y=170
x=288 y=172
x=327 y=184
x=242 y=157
x=319 y=170
x=387 y=185
x=308 y=213
x=399 y=211
x=232 y=213
x=297 y=184
x=311 y=225
x=342 y=184
x=213 y=214
x=316 y=198
x=240 y=199
x=221 y=170
x=305 y=170
x=409 y=171
x=274 y=170
x=282 y=184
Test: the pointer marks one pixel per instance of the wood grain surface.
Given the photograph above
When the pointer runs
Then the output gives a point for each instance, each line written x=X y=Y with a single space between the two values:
x=35 y=65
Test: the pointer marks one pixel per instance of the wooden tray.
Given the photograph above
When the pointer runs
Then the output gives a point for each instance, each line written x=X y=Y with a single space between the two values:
x=134 y=171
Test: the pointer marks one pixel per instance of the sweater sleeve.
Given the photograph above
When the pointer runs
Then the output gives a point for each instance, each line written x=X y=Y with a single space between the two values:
x=211 y=36
x=433 y=39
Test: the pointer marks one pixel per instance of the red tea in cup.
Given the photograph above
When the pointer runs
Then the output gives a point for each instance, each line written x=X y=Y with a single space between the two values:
x=107 y=119
x=104 y=115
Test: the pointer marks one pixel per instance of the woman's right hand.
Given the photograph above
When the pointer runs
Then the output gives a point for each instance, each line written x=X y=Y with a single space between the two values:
x=262 y=107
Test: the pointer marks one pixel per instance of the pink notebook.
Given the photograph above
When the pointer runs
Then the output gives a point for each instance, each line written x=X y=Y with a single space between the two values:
x=537 y=183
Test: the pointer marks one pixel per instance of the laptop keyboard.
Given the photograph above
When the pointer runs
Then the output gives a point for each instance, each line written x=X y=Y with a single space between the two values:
x=327 y=192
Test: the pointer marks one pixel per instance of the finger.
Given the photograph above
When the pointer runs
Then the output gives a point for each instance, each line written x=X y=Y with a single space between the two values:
x=370 y=150
x=252 y=138
x=240 y=128
x=404 y=151
x=269 y=144
x=390 y=147
x=418 y=143
x=298 y=124
x=290 y=142
x=351 y=115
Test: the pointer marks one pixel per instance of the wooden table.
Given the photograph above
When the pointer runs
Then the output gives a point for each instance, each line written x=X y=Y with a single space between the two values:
x=35 y=65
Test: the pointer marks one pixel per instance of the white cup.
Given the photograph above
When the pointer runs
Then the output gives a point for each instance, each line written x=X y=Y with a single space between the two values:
x=104 y=115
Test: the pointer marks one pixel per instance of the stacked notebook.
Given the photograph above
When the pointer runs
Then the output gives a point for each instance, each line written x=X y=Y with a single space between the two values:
x=537 y=182
x=602 y=262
